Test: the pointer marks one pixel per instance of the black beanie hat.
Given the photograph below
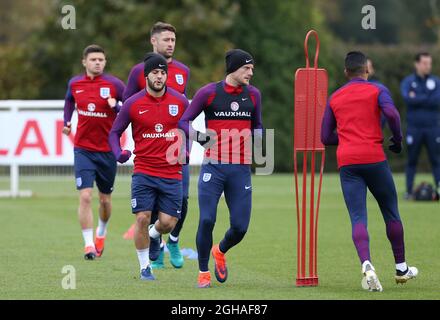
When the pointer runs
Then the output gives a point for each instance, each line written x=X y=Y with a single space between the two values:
x=236 y=58
x=154 y=61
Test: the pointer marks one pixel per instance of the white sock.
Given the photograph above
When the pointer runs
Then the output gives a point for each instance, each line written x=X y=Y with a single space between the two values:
x=173 y=238
x=102 y=228
x=401 y=266
x=88 y=237
x=364 y=265
x=143 y=257
x=153 y=232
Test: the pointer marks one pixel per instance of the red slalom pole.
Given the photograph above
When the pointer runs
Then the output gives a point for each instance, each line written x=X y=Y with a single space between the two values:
x=310 y=88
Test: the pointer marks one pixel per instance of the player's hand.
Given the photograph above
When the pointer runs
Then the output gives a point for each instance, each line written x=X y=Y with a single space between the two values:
x=67 y=128
x=206 y=140
x=124 y=156
x=412 y=94
x=395 y=147
x=111 y=102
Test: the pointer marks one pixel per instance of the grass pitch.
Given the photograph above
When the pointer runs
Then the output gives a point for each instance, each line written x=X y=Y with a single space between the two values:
x=41 y=235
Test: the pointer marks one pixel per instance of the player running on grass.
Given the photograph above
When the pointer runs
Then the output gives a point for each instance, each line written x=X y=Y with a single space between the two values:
x=354 y=112
x=157 y=178
x=163 y=40
x=232 y=111
x=96 y=95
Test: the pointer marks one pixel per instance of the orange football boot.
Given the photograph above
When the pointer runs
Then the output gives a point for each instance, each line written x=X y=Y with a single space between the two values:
x=204 y=280
x=89 y=253
x=221 y=271
x=99 y=245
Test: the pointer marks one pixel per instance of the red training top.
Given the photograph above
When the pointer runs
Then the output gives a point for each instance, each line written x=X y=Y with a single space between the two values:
x=155 y=134
x=95 y=116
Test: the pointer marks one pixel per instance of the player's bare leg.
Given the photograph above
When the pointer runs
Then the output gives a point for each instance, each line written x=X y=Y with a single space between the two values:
x=164 y=224
x=86 y=221
x=105 y=210
x=142 y=243
x=159 y=262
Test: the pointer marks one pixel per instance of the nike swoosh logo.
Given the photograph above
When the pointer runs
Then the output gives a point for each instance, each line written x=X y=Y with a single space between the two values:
x=247 y=187
x=244 y=99
x=221 y=272
x=142 y=112
x=161 y=65
x=79 y=91
x=247 y=61
x=179 y=211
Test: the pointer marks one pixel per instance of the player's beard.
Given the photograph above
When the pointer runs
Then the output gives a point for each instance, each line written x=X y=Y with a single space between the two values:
x=166 y=54
x=156 y=89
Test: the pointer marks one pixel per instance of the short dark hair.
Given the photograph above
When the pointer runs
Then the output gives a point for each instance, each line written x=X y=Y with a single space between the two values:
x=419 y=56
x=91 y=49
x=355 y=63
x=160 y=26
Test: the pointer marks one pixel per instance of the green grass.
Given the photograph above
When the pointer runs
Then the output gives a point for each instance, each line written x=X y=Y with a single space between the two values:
x=40 y=235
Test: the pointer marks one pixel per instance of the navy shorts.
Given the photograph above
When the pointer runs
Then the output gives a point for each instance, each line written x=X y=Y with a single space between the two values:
x=91 y=166
x=149 y=192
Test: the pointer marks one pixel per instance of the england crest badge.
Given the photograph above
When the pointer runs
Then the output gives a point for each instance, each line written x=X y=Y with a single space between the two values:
x=104 y=92
x=179 y=78
x=173 y=109
x=206 y=177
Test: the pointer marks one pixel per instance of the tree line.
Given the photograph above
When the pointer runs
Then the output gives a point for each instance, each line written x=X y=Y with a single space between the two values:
x=38 y=56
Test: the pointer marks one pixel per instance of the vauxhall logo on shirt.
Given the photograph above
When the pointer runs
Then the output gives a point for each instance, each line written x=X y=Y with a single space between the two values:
x=235 y=111
x=159 y=133
x=235 y=106
x=158 y=127
x=91 y=112
x=91 y=107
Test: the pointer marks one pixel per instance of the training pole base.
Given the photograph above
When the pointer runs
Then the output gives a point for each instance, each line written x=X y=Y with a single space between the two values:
x=307 y=282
